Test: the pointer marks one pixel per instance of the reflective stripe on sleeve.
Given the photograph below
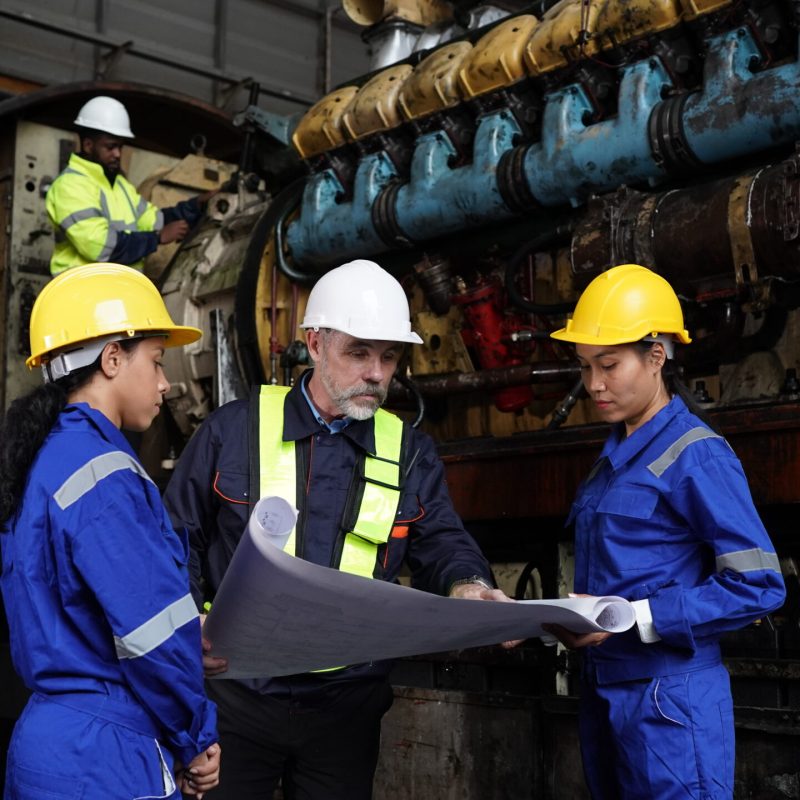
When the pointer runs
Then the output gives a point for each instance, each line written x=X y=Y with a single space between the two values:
x=672 y=453
x=141 y=207
x=108 y=247
x=157 y=629
x=79 y=216
x=749 y=561
x=121 y=226
x=90 y=474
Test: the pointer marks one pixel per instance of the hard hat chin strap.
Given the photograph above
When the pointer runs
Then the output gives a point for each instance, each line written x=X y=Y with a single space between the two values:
x=666 y=341
x=86 y=353
x=60 y=365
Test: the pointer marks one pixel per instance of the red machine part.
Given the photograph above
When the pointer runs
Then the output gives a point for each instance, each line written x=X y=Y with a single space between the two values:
x=487 y=333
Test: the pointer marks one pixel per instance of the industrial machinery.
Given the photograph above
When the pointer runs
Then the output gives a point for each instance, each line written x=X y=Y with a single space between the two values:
x=495 y=169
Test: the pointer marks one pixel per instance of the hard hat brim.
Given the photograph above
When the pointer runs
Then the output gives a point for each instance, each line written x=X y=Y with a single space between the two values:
x=566 y=335
x=177 y=336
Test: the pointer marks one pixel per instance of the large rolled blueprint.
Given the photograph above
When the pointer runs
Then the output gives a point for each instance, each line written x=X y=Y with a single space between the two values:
x=275 y=614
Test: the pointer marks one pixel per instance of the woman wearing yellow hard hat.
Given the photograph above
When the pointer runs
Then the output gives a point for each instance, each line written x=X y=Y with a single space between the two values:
x=665 y=519
x=103 y=629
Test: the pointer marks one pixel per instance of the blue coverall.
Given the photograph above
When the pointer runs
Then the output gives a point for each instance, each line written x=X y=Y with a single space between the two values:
x=666 y=515
x=103 y=628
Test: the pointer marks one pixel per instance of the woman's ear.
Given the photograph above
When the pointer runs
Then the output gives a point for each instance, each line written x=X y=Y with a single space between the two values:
x=111 y=359
x=658 y=355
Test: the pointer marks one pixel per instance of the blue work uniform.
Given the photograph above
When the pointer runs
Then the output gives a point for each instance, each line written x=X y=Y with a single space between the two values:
x=103 y=628
x=334 y=747
x=666 y=516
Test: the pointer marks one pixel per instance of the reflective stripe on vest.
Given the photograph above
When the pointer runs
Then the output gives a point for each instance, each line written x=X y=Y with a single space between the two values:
x=381 y=475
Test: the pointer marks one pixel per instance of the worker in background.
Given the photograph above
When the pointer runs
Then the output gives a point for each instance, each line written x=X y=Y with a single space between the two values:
x=96 y=212
x=103 y=628
x=666 y=520
x=371 y=495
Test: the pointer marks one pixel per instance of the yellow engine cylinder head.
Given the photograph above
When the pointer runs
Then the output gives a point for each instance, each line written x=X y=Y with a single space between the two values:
x=557 y=37
x=497 y=60
x=375 y=108
x=434 y=85
x=321 y=127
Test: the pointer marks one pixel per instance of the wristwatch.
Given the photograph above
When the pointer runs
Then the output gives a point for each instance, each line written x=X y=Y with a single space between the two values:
x=472 y=579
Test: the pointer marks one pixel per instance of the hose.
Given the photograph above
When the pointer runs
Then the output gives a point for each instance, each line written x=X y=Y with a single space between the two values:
x=244 y=304
x=562 y=410
x=414 y=389
x=544 y=239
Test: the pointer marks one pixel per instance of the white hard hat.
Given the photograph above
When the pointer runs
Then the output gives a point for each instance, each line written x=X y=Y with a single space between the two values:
x=105 y=114
x=363 y=300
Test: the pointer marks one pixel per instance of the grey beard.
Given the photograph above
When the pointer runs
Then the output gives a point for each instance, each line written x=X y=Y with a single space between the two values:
x=358 y=411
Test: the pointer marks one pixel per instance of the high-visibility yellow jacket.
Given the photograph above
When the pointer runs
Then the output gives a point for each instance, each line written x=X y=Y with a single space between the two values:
x=89 y=214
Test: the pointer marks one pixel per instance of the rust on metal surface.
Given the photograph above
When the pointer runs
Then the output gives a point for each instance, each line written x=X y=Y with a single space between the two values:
x=538 y=474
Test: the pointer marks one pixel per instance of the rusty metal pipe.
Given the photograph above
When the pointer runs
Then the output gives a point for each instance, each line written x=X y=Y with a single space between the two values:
x=709 y=239
x=489 y=379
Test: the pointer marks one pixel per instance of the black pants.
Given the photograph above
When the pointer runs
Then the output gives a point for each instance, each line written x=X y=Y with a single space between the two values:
x=324 y=745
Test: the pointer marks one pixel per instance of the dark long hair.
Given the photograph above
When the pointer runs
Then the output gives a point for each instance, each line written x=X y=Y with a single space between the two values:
x=26 y=425
x=675 y=385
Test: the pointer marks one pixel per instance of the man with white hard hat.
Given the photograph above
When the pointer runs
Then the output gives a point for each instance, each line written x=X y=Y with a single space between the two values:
x=371 y=495
x=96 y=212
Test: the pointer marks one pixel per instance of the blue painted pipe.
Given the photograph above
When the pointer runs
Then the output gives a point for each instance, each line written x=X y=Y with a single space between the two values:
x=329 y=232
x=573 y=160
x=439 y=200
x=739 y=112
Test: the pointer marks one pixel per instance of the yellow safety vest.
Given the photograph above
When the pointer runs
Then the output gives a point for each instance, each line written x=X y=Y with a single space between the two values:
x=88 y=214
x=277 y=475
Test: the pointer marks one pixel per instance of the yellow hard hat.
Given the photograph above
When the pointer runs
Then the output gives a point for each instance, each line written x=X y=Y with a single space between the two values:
x=625 y=304
x=99 y=301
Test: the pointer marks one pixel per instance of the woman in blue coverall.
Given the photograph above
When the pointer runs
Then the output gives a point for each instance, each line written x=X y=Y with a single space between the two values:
x=103 y=629
x=666 y=520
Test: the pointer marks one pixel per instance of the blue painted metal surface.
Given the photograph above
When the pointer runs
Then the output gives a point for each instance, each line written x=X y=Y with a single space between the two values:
x=439 y=200
x=739 y=112
x=574 y=160
x=328 y=231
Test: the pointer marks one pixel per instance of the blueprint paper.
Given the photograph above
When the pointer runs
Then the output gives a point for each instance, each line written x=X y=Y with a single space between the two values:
x=275 y=614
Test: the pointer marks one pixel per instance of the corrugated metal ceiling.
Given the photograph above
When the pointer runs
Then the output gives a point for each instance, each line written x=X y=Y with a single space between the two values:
x=280 y=44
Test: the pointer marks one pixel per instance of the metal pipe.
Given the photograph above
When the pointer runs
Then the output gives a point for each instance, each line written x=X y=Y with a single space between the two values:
x=131 y=49
x=220 y=37
x=490 y=379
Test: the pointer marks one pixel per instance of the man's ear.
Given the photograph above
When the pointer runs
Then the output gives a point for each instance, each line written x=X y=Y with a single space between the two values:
x=111 y=359
x=314 y=344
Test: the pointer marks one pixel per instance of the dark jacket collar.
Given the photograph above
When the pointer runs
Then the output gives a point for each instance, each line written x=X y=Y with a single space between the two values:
x=299 y=422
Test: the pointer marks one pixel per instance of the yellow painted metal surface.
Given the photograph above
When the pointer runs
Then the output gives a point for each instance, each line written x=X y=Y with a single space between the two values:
x=321 y=127
x=556 y=40
x=629 y=19
x=420 y=12
x=497 y=60
x=375 y=108
x=434 y=83
x=696 y=8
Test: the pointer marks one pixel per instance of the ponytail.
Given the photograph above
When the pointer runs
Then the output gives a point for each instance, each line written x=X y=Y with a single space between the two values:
x=24 y=428
x=22 y=432
x=675 y=386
